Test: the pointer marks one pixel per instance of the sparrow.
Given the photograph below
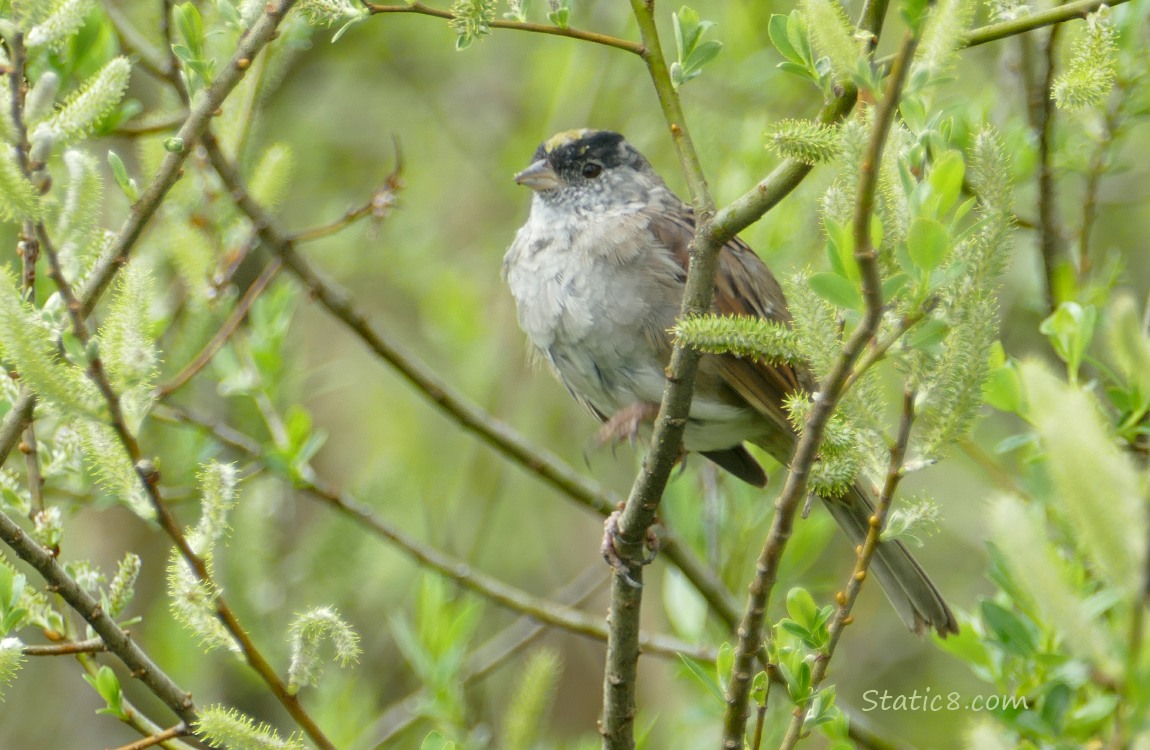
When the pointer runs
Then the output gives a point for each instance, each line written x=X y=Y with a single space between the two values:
x=598 y=273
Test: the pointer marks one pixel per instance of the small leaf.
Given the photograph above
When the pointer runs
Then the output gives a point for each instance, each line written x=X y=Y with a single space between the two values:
x=120 y=173
x=702 y=676
x=926 y=242
x=836 y=290
x=1008 y=629
x=946 y=180
x=777 y=31
x=191 y=27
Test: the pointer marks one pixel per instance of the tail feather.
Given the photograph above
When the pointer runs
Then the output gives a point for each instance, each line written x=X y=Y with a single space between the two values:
x=914 y=596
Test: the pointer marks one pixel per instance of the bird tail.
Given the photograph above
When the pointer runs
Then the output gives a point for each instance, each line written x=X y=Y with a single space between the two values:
x=914 y=596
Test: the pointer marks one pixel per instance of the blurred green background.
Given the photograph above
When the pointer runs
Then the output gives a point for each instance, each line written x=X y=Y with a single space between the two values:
x=429 y=275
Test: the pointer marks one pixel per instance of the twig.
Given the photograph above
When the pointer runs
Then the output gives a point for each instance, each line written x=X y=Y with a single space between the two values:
x=90 y=646
x=1099 y=160
x=117 y=640
x=499 y=23
x=620 y=672
x=489 y=587
x=1052 y=17
x=846 y=600
x=879 y=347
x=237 y=315
x=150 y=128
x=171 y=733
x=830 y=390
x=229 y=75
x=1049 y=227
x=149 y=479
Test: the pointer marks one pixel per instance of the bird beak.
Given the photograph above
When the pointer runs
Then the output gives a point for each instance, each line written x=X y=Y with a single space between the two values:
x=539 y=176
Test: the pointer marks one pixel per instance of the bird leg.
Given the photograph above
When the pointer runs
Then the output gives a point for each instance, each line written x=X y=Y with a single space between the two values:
x=625 y=423
x=611 y=553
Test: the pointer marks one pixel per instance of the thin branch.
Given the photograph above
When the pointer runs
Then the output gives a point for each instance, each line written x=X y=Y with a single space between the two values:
x=1050 y=240
x=171 y=733
x=237 y=315
x=230 y=74
x=149 y=479
x=489 y=587
x=138 y=130
x=1061 y=14
x=866 y=552
x=499 y=23
x=878 y=348
x=829 y=392
x=71 y=648
x=620 y=673
x=1099 y=162
x=117 y=640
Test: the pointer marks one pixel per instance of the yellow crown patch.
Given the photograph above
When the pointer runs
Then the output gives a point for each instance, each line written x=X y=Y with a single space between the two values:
x=567 y=136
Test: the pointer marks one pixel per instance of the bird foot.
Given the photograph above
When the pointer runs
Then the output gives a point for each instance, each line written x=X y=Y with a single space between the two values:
x=611 y=553
x=625 y=423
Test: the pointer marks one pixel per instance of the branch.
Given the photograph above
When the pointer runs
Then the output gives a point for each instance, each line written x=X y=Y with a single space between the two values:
x=179 y=730
x=116 y=639
x=538 y=28
x=830 y=391
x=512 y=641
x=545 y=611
x=221 y=336
x=866 y=553
x=89 y=646
x=230 y=74
x=1061 y=14
x=620 y=673
x=150 y=480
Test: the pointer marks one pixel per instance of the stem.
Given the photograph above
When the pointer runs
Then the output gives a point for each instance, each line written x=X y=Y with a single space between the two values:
x=90 y=646
x=499 y=23
x=117 y=640
x=621 y=669
x=830 y=391
x=847 y=600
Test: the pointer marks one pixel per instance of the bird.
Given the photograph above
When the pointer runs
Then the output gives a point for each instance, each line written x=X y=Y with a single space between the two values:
x=598 y=273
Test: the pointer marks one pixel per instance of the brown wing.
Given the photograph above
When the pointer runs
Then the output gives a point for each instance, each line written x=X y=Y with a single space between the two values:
x=743 y=286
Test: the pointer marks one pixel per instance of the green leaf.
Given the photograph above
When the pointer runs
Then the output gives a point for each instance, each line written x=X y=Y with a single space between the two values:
x=1003 y=389
x=1070 y=330
x=120 y=174
x=703 y=676
x=777 y=31
x=928 y=334
x=926 y=242
x=191 y=27
x=836 y=290
x=108 y=686
x=801 y=606
x=946 y=180
x=1008 y=629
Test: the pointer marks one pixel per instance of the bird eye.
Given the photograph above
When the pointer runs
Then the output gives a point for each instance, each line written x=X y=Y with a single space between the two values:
x=591 y=169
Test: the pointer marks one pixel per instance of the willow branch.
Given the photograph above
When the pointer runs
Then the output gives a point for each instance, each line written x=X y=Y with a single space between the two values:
x=542 y=610
x=500 y=23
x=1061 y=14
x=229 y=76
x=71 y=648
x=620 y=673
x=117 y=640
x=846 y=600
x=829 y=393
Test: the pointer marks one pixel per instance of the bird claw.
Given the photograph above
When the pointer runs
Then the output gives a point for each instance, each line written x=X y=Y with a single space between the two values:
x=625 y=423
x=611 y=554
